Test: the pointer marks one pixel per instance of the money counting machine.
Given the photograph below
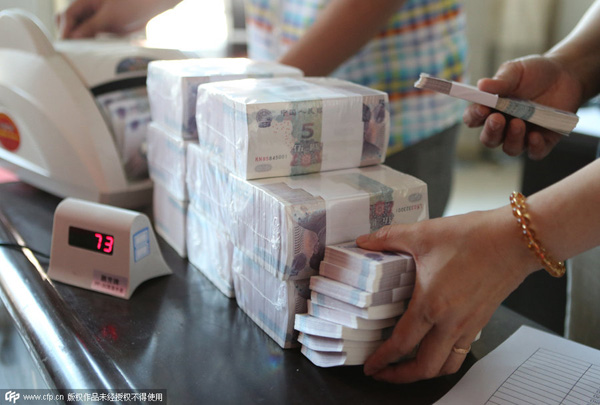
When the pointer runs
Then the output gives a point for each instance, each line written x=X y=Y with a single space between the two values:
x=53 y=133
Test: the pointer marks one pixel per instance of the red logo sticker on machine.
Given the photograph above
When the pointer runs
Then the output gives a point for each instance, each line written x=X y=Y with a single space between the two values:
x=9 y=133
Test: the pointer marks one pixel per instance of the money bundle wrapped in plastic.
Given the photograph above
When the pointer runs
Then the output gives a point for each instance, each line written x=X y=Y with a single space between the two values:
x=210 y=250
x=287 y=126
x=169 y=215
x=268 y=301
x=172 y=86
x=357 y=297
x=167 y=160
x=209 y=186
x=284 y=223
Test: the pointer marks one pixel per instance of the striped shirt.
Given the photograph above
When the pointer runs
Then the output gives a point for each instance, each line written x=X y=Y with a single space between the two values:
x=423 y=36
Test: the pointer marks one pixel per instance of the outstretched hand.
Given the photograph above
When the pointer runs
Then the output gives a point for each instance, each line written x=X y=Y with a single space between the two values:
x=464 y=272
x=86 y=18
x=537 y=78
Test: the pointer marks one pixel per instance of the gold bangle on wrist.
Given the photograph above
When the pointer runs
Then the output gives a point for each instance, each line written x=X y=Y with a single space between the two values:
x=519 y=209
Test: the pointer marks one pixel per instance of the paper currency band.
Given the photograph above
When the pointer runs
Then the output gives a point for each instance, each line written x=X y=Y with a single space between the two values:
x=519 y=209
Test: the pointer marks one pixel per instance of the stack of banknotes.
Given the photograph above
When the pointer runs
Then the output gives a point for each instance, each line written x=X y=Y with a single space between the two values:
x=270 y=302
x=127 y=114
x=282 y=226
x=284 y=223
x=170 y=102
x=355 y=302
x=288 y=126
x=173 y=85
x=258 y=231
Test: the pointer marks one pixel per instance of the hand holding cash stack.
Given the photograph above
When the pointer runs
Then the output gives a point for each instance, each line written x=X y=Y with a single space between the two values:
x=562 y=122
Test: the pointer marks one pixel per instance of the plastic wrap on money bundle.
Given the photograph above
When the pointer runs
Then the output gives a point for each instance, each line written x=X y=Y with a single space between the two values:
x=271 y=303
x=172 y=86
x=170 y=216
x=210 y=250
x=167 y=160
x=284 y=223
x=276 y=127
x=209 y=186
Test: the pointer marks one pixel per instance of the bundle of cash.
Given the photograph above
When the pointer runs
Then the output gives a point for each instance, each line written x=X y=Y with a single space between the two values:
x=210 y=250
x=271 y=303
x=349 y=357
x=383 y=311
x=285 y=223
x=553 y=119
x=367 y=270
x=209 y=186
x=311 y=325
x=356 y=296
x=172 y=86
x=127 y=114
x=342 y=310
x=169 y=215
x=288 y=126
x=167 y=160
x=348 y=319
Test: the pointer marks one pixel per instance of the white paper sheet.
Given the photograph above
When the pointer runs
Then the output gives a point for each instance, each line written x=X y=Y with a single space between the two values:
x=531 y=367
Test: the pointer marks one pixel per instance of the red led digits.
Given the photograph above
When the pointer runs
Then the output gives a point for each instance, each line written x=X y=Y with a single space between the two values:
x=91 y=240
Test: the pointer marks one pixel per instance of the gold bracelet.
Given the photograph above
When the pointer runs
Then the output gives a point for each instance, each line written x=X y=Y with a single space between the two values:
x=519 y=208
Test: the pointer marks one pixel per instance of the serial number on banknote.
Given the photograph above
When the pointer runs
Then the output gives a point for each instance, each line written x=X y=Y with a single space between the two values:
x=269 y=158
x=407 y=208
x=293 y=112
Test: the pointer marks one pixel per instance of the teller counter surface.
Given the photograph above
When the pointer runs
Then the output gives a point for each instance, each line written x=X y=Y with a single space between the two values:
x=176 y=332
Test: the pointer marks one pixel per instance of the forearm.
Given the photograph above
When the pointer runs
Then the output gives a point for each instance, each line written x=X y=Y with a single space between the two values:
x=341 y=30
x=566 y=216
x=579 y=52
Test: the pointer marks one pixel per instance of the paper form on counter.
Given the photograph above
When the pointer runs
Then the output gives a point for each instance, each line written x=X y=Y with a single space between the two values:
x=531 y=367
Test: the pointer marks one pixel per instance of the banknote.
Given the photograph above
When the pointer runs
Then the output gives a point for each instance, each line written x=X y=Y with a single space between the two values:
x=356 y=296
x=347 y=319
x=312 y=325
x=167 y=163
x=271 y=303
x=284 y=223
x=379 y=264
x=383 y=311
x=375 y=118
x=289 y=126
x=333 y=359
x=210 y=250
x=127 y=114
x=368 y=270
x=325 y=344
x=134 y=150
x=170 y=218
x=551 y=118
x=173 y=86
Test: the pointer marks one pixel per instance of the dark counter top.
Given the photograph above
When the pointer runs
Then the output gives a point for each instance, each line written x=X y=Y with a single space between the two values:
x=177 y=333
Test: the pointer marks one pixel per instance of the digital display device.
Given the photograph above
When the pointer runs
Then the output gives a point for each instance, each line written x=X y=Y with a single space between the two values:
x=103 y=248
x=91 y=240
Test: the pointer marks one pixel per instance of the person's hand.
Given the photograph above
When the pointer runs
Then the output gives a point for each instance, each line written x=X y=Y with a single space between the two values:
x=541 y=79
x=86 y=18
x=466 y=266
